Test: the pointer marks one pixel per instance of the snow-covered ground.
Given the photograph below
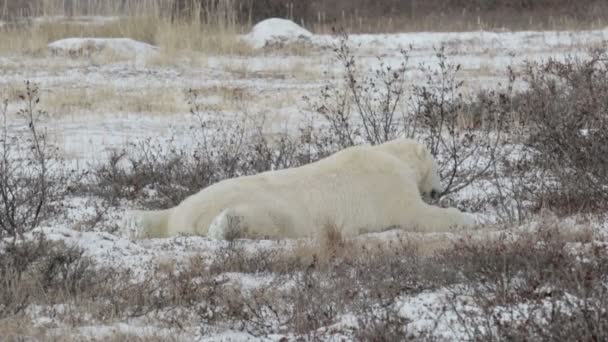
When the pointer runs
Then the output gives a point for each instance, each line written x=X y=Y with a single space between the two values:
x=123 y=100
x=97 y=105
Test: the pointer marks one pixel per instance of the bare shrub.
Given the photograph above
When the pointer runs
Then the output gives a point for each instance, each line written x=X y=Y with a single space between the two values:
x=377 y=106
x=532 y=287
x=38 y=271
x=565 y=113
x=366 y=106
x=555 y=154
x=383 y=326
x=308 y=293
x=31 y=178
x=465 y=150
x=220 y=148
x=172 y=174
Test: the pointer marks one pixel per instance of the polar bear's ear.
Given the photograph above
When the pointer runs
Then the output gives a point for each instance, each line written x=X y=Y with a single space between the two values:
x=421 y=151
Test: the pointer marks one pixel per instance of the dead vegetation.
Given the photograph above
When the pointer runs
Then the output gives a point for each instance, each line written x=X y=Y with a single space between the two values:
x=566 y=115
x=532 y=149
x=529 y=285
x=355 y=16
x=543 y=284
x=377 y=105
x=532 y=287
x=211 y=26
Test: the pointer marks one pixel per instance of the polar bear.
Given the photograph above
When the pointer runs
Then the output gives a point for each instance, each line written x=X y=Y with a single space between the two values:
x=359 y=189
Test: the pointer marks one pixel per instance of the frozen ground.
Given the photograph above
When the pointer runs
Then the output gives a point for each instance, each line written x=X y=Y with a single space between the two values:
x=98 y=104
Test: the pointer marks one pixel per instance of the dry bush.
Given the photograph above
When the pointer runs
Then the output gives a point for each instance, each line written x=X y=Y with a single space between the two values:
x=221 y=148
x=374 y=106
x=309 y=292
x=38 y=271
x=464 y=150
x=44 y=273
x=552 y=153
x=32 y=177
x=376 y=98
x=383 y=326
x=33 y=181
x=531 y=287
x=565 y=112
x=555 y=154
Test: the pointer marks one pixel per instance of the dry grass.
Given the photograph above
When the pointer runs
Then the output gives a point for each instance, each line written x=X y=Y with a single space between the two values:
x=33 y=38
x=67 y=101
x=224 y=98
x=172 y=38
x=458 y=21
x=212 y=32
x=211 y=27
x=302 y=69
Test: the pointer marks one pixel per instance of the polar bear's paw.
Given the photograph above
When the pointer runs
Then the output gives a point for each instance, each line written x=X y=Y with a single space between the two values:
x=225 y=226
x=468 y=221
x=460 y=219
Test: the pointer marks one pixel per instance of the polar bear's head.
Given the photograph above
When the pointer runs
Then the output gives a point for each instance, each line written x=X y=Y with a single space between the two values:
x=429 y=181
x=421 y=160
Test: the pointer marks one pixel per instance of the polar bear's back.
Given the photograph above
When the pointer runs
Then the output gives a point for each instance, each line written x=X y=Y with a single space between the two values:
x=352 y=188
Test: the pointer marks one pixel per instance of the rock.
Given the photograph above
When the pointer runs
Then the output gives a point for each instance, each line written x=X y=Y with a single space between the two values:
x=119 y=47
x=275 y=31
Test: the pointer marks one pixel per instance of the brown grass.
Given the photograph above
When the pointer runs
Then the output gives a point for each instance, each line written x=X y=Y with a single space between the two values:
x=170 y=37
x=208 y=32
x=67 y=101
x=211 y=26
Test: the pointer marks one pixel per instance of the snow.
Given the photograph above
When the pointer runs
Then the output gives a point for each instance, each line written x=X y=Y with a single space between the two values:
x=275 y=30
x=86 y=135
x=477 y=41
x=427 y=314
x=121 y=47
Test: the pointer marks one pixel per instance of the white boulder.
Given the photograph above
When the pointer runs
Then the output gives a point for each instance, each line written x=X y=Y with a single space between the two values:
x=119 y=47
x=276 y=31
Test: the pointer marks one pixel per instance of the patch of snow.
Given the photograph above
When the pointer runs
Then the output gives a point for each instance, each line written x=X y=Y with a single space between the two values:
x=230 y=335
x=99 y=332
x=428 y=314
x=121 y=47
x=474 y=41
x=275 y=30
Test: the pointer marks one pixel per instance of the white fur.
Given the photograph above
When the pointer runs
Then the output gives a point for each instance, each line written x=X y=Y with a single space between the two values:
x=359 y=189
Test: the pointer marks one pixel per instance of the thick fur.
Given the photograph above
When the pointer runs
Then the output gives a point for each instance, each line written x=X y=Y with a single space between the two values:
x=359 y=189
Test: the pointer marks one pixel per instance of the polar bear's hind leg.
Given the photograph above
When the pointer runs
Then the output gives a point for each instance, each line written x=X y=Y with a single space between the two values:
x=248 y=221
x=226 y=226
